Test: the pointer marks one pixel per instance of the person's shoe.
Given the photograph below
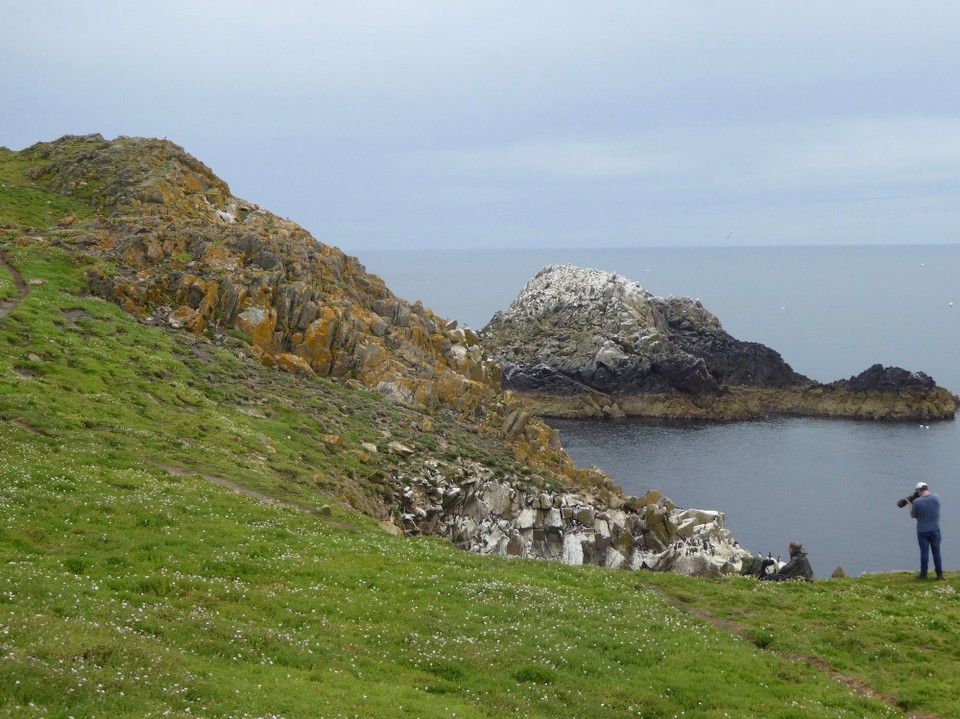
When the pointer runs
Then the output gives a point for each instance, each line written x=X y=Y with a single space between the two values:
x=921 y=576
x=939 y=577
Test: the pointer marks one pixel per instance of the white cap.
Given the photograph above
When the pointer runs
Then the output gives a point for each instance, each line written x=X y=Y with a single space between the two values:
x=920 y=485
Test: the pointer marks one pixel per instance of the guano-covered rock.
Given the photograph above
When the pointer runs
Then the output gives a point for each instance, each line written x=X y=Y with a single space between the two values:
x=586 y=343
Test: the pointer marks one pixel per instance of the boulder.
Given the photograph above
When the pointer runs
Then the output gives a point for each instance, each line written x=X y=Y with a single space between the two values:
x=399 y=448
x=497 y=519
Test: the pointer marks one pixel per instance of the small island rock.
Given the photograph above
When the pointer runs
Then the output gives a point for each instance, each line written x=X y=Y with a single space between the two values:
x=586 y=343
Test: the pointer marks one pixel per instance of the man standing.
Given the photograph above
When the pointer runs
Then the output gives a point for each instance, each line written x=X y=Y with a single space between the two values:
x=926 y=510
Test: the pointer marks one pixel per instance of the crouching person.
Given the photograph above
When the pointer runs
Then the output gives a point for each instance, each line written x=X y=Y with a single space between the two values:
x=797 y=568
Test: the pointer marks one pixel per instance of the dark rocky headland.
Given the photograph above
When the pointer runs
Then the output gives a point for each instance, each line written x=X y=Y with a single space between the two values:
x=586 y=343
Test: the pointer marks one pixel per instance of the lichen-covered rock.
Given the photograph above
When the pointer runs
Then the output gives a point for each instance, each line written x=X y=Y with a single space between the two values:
x=182 y=249
x=585 y=343
x=174 y=245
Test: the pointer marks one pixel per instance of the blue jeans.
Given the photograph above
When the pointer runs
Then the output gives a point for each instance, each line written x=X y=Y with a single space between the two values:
x=928 y=541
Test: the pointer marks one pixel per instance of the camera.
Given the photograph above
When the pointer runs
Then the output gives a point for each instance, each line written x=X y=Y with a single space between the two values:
x=907 y=500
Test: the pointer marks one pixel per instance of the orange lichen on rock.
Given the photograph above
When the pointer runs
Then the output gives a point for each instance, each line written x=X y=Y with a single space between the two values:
x=182 y=249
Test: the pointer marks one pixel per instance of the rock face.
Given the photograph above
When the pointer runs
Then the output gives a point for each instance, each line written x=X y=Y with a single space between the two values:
x=189 y=253
x=172 y=245
x=484 y=515
x=586 y=343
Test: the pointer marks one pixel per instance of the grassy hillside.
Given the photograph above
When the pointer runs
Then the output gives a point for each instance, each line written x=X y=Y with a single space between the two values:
x=24 y=200
x=132 y=585
x=181 y=535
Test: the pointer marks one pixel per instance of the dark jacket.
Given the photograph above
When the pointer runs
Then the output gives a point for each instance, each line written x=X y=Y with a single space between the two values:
x=798 y=567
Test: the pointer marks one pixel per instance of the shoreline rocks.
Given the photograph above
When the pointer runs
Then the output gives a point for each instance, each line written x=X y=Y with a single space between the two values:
x=490 y=517
x=590 y=344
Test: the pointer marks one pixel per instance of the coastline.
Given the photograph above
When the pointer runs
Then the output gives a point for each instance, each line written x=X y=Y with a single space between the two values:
x=745 y=403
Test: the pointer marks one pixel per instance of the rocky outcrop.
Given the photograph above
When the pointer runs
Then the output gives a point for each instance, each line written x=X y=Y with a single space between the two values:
x=187 y=252
x=487 y=516
x=174 y=246
x=880 y=393
x=585 y=343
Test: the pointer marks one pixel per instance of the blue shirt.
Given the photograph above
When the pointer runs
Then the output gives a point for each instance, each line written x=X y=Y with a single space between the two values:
x=927 y=512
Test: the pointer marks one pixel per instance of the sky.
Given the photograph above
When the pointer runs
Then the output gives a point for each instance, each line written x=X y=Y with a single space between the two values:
x=381 y=124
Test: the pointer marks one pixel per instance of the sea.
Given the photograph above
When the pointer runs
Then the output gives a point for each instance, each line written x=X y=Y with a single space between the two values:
x=831 y=312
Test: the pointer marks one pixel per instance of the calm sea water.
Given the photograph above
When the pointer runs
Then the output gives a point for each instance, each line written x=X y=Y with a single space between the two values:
x=831 y=312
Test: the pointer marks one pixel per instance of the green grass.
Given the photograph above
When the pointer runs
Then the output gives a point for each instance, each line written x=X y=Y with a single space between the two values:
x=132 y=593
x=8 y=288
x=890 y=632
x=130 y=586
x=30 y=203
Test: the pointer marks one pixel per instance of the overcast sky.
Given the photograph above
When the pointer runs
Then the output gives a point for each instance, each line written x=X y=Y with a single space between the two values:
x=427 y=124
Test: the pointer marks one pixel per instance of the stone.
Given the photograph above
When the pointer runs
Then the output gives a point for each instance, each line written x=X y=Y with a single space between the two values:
x=685 y=528
x=293 y=364
x=552 y=519
x=624 y=542
x=451 y=496
x=613 y=559
x=543 y=501
x=525 y=519
x=617 y=520
x=519 y=529
x=259 y=324
x=399 y=448
x=476 y=509
x=666 y=503
x=572 y=552
x=498 y=498
x=425 y=424
x=584 y=515
x=183 y=317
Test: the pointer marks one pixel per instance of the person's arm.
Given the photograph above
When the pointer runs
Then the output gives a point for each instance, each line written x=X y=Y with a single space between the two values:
x=789 y=568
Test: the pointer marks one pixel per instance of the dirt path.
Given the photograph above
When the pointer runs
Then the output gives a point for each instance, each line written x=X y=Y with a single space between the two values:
x=732 y=628
x=8 y=306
